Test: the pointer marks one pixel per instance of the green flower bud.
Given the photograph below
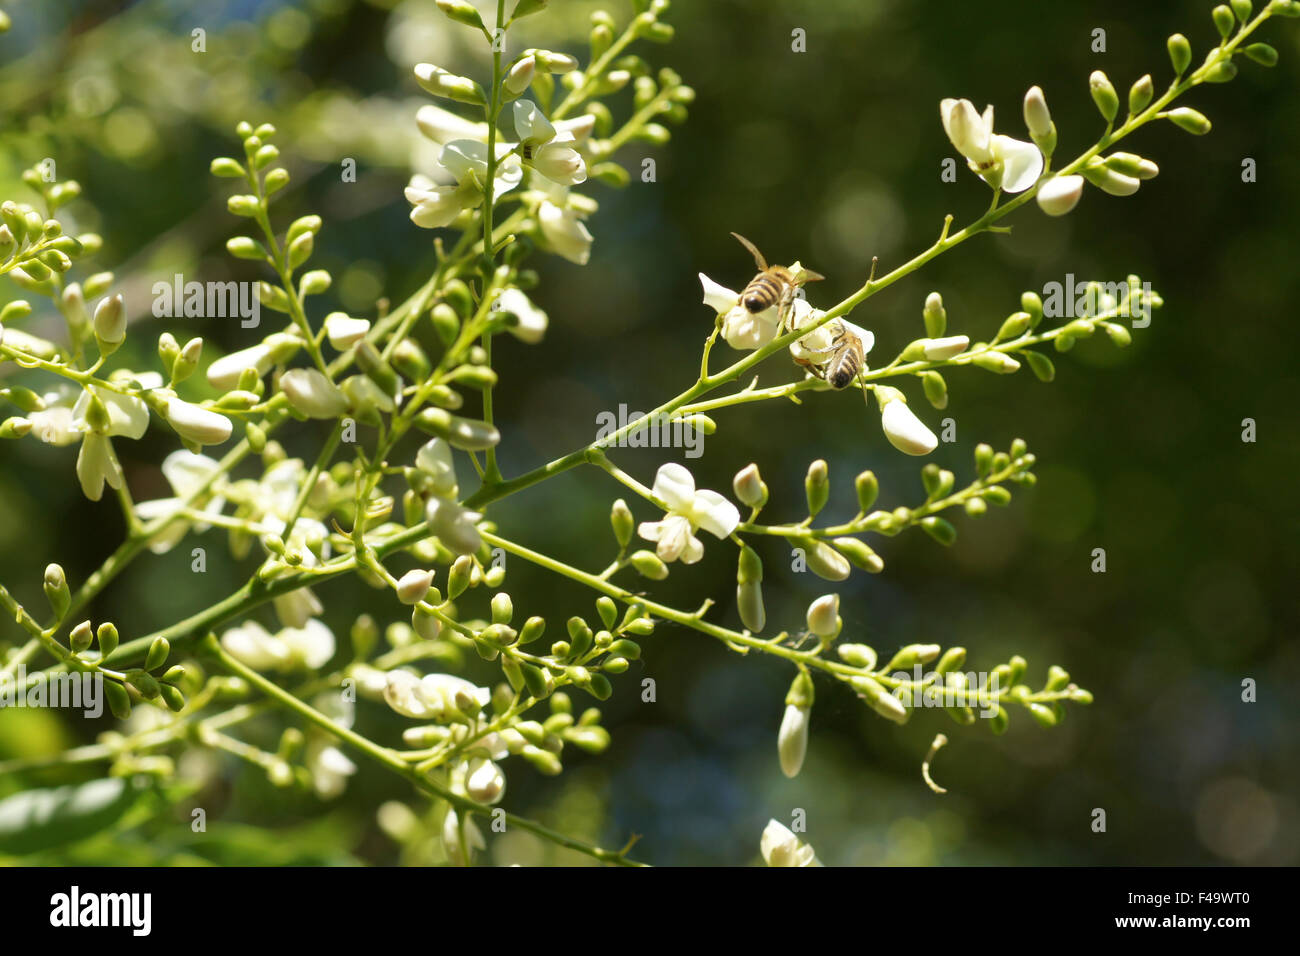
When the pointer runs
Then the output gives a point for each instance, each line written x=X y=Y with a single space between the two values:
x=1104 y=95
x=464 y=433
x=649 y=565
x=461 y=12
x=57 y=591
x=857 y=655
x=621 y=520
x=911 y=655
x=1262 y=54
x=1180 y=53
x=157 y=655
x=503 y=609
x=458 y=578
x=1242 y=9
x=144 y=683
x=953 y=658
x=880 y=700
x=939 y=529
x=172 y=697
x=868 y=488
x=1190 y=120
x=227 y=168
x=817 y=486
x=936 y=319
x=441 y=83
x=860 y=554
x=81 y=637
x=999 y=362
x=935 y=388
x=107 y=637
x=118 y=700
x=1139 y=95
x=244 y=205
x=1118 y=334
x=1224 y=21
x=824 y=560
x=749 y=602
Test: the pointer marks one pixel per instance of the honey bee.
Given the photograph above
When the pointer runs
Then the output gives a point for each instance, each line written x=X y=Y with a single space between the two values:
x=773 y=286
x=846 y=356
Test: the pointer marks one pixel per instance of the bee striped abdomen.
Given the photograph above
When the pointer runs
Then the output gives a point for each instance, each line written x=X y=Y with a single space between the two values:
x=763 y=292
x=844 y=368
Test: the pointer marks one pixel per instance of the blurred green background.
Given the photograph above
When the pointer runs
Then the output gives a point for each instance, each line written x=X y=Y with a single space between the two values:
x=831 y=156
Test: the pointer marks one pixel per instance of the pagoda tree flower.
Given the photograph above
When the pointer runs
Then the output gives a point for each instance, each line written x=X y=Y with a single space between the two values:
x=458 y=181
x=311 y=393
x=780 y=847
x=817 y=346
x=1060 y=194
x=545 y=149
x=460 y=839
x=531 y=322
x=100 y=414
x=254 y=645
x=904 y=430
x=741 y=329
x=196 y=423
x=688 y=511
x=564 y=231
x=224 y=373
x=329 y=767
x=455 y=526
x=1004 y=163
x=186 y=472
x=433 y=696
x=310 y=645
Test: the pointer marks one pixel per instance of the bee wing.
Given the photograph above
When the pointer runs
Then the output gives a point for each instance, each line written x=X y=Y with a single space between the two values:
x=753 y=249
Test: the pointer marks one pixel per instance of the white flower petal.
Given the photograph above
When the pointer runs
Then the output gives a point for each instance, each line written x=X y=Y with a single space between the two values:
x=1022 y=163
x=675 y=486
x=714 y=513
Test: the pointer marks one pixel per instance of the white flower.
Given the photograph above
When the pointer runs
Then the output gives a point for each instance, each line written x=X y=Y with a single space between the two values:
x=198 y=424
x=55 y=424
x=688 y=510
x=456 y=839
x=484 y=781
x=443 y=126
x=816 y=346
x=1004 y=163
x=310 y=645
x=457 y=182
x=741 y=329
x=309 y=391
x=780 y=847
x=297 y=607
x=453 y=525
x=96 y=464
x=792 y=739
x=433 y=696
x=939 y=350
x=414 y=585
x=531 y=325
x=329 y=768
x=434 y=459
x=128 y=415
x=904 y=430
x=186 y=472
x=345 y=331
x=252 y=644
x=224 y=373
x=1060 y=194
x=545 y=149
x=565 y=232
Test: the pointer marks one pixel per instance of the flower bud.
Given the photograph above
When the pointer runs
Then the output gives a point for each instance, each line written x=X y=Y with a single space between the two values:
x=1133 y=165
x=904 y=430
x=749 y=567
x=521 y=75
x=1224 y=21
x=749 y=602
x=1104 y=95
x=441 y=83
x=157 y=655
x=936 y=319
x=1180 y=53
x=817 y=486
x=1059 y=195
x=857 y=655
x=81 y=637
x=414 y=585
x=57 y=591
x=911 y=655
x=749 y=487
x=1262 y=53
x=621 y=520
x=106 y=635
x=649 y=565
x=998 y=362
x=311 y=393
x=458 y=578
x=880 y=700
x=345 y=331
x=825 y=561
x=1139 y=95
x=1109 y=181
x=464 y=433
x=860 y=553
x=1190 y=120
x=792 y=738
x=935 y=388
x=485 y=781
x=824 y=616
x=868 y=488
x=110 y=322
x=198 y=424
x=461 y=12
